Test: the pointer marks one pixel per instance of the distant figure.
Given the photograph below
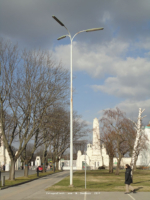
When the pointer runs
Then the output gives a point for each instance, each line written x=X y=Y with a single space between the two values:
x=3 y=167
x=128 y=179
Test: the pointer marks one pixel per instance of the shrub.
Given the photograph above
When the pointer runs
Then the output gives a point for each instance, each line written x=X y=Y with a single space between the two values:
x=101 y=167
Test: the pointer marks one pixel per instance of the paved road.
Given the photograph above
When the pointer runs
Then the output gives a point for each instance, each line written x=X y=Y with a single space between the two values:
x=35 y=190
x=18 y=173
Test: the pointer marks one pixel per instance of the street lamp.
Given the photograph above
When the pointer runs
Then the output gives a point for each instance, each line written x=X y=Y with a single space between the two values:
x=71 y=99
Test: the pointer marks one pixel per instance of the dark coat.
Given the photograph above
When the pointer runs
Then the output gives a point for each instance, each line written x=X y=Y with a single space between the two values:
x=3 y=167
x=128 y=177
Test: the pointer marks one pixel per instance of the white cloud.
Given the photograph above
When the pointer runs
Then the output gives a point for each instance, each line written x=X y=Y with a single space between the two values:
x=132 y=79
x=132 y=109
x=128 y=76
x=95 y=59
x=145 y=44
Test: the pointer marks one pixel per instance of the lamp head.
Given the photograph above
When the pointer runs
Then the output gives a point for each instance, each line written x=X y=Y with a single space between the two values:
x=58 y=20
x=62 y=37
x=94 y=29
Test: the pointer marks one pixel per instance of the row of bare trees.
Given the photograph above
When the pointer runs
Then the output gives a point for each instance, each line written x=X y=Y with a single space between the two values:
x=59 y=133
x=33 y=104
x=118 y=135
x=56 y=136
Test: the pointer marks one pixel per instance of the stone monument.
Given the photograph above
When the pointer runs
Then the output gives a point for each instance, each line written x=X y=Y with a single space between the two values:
x=37 y=161
x=94 y=152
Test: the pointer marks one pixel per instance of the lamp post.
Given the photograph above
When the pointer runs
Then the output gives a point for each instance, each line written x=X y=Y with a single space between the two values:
x=85 y=169
x=71 y=99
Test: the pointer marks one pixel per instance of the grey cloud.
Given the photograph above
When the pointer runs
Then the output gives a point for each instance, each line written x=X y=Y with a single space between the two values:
x=132 y=109
x=30 y=22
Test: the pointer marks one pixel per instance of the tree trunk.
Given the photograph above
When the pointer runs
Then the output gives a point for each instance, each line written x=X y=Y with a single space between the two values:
x=12 y=171
x=26 y=170
x=44 y=159
x=134 y=166
x=102 y=160
x=54 y=167
x=118 y=166
x=57 y=164
x=110 y=164
x=44 y=164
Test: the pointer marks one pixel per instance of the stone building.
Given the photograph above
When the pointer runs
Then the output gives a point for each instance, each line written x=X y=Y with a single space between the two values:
x=144 y=156
x=4 y=156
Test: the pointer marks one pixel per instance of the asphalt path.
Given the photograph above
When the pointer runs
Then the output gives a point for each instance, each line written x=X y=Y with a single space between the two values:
x=35 y=190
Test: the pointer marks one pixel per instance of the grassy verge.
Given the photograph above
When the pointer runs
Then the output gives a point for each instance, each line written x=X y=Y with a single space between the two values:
x=25 y=179
x=101 y=180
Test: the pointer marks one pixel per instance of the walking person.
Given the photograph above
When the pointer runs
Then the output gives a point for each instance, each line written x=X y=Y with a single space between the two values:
x=4 y=167
x=128 y=179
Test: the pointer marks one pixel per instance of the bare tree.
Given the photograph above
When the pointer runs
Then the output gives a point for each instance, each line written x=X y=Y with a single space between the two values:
x=121 y=129
x=79 y=145
x=108 y=140
x=31 y=83
x=140 y=142
x=28 y=152
x=60 y=132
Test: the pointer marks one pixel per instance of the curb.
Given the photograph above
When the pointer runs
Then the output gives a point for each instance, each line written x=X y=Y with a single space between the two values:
x=27 y=181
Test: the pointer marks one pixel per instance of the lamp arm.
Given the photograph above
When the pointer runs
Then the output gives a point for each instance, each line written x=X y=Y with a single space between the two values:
x=78 y=33
x=68 y=32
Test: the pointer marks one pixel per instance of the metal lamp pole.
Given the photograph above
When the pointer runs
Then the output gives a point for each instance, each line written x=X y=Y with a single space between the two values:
x=71 y=98
x=85 y=170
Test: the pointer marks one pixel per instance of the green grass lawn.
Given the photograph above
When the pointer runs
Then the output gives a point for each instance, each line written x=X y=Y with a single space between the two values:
x=101 y=180
x=24 y=179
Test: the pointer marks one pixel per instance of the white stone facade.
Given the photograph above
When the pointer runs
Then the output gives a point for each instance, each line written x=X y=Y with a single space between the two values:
x=144 y=157
x=4 y=156
x=95 y=155
x=18 y=163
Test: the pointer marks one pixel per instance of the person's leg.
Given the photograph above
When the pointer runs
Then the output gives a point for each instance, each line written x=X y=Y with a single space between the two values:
x=127 y=188
x=131 y=187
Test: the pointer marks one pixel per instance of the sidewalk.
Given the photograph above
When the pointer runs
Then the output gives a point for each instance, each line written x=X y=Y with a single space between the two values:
x=29 y=179
x=32 y=188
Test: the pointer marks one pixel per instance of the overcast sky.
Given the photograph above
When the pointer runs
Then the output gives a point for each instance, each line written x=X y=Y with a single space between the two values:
x=111 y=67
